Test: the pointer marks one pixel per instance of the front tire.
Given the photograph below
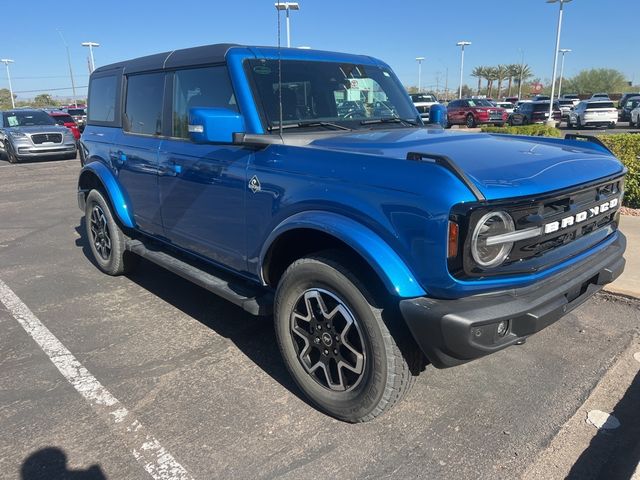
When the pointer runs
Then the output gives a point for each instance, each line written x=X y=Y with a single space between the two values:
x=11 y=155
x=471 y=121
x=335 y=342
x=106 y=240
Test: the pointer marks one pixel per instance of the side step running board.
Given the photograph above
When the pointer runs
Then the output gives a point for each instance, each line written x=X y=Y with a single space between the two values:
x=252 y=299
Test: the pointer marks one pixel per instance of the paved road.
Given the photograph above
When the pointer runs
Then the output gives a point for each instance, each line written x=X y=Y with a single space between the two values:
x=207 y=382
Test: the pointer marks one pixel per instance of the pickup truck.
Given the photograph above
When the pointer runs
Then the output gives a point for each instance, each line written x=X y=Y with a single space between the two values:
x=378 y=244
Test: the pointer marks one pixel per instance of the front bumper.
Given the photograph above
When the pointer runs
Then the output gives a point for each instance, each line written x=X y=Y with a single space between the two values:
x=452 y=332
x=26 y=151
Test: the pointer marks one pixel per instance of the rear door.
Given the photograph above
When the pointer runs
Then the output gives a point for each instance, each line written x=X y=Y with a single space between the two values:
x=203 y=186
x=135 y=152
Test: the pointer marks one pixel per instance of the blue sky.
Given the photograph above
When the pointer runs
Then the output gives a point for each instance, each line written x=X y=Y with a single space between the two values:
x=599 y=33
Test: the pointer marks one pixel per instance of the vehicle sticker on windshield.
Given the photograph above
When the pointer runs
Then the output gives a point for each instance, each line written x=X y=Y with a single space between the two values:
x=262 y=69
x=13 y=121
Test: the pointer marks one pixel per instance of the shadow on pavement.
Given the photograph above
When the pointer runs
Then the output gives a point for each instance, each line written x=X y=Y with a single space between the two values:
x=254 y=336
x=50 y=463
x=614 y=454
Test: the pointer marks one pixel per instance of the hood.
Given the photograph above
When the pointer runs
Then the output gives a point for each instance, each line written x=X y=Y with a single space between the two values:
x=500 y=166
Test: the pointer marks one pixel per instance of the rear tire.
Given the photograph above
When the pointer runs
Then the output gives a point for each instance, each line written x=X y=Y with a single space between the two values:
x=335 y=342
x=106 y=239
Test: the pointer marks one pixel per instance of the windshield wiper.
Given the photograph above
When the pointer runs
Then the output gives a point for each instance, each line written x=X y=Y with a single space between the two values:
x=389 y=120
x=308 y=124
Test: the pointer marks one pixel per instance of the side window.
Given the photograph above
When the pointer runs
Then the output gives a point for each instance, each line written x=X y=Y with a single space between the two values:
x=102 y=99
x=199 y=87
x=143 y=110
x=454 y=104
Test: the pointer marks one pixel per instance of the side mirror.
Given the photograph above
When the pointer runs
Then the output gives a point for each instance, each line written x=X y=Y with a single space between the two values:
x=214 y=125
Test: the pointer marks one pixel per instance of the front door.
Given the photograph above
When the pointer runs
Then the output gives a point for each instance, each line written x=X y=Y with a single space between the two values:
x=203 y=187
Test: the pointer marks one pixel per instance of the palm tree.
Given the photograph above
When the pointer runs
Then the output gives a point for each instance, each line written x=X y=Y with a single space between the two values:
x=501 y=73
x=490 y=76
x=523 y=74
x=479 y=72
x=513 y=70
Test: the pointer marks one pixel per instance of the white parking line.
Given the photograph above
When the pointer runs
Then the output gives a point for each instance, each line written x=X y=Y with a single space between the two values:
x=146 y=449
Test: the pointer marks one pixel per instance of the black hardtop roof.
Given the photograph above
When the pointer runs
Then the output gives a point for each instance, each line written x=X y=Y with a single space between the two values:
x=205 y=54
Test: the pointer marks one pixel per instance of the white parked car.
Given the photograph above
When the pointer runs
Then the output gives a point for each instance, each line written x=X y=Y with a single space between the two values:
x=566 y=104
x=603 y=96
x=423 y=102
x=593 y=113
x=635 y=117
x=508 y=106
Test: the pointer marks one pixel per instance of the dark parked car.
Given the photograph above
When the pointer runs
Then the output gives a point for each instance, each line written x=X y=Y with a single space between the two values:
x=629 y=104
x=28 y=133
x=475 y=111
x=625 y=98
x=535 y=112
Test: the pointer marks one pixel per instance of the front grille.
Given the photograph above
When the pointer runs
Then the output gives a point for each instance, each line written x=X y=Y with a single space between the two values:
x=495 y=115
x=40 y=138
x=423 y=109
x=547 y=249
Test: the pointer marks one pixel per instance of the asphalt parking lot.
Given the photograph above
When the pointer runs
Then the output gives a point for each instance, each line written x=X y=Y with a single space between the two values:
x=206 y=380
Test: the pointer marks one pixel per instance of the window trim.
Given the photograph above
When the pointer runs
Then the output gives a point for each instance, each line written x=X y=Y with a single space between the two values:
x=124 y=103
x=117 y=114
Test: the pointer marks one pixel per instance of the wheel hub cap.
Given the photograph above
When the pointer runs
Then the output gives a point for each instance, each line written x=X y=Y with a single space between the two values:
x=328 y=340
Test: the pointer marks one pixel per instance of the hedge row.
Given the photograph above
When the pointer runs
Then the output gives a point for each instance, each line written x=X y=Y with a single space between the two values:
x=625 y=146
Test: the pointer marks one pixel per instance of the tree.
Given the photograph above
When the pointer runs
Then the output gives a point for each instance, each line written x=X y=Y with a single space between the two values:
x=501 y=73
x=44 y=100
x=513 y=71
x=490 y=76
x=596 y=80
x=5 y=99
x=524 y=73
x=479 y=72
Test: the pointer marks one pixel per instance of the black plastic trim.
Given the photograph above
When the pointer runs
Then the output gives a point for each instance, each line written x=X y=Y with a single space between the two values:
x=450 y=165
x=587 y=138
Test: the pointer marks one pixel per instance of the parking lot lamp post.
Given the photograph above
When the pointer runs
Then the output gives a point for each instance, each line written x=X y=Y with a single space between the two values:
x=419 y=60
x=91 y=45
x=7 y=61
x=550 y=121
x=461 y=45
x=562 y=51
x=287 y=6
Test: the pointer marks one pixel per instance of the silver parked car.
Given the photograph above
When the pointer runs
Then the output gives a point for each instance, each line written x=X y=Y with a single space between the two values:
x=34 y=134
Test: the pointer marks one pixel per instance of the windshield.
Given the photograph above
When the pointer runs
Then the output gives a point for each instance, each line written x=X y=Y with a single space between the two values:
x=421 y=97
x=26 y=119
x=340 y=93
x=76 y=111
x=479 y=102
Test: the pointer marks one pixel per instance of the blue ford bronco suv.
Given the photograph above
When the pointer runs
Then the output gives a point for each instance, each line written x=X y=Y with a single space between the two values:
x=303 y=184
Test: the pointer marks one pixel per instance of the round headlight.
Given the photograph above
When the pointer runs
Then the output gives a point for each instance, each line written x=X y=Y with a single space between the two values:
x=490 y=225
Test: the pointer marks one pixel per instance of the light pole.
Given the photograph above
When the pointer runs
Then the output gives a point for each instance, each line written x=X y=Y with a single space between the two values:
x=7 y=61
x=550 y=120
x=287 y=6
x=562 y=51
x=419 y=60
x=91 y=45
x=461 y=45
x=73 y=84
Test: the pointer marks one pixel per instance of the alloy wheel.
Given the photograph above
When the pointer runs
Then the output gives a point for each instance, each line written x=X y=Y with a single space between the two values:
x=328 y=340
x=100 y=232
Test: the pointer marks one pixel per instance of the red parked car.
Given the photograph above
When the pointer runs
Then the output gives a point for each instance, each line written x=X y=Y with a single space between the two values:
x=65 y=120
x=475 y=111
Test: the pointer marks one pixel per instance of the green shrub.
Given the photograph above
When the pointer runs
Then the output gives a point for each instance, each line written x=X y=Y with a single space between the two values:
x=536 y=130
x=626 y=146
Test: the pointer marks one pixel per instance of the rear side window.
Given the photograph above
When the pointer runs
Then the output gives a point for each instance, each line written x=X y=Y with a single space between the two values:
x=143 y=110
x=199 y=87
x=62 y=119
x=102 y=99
